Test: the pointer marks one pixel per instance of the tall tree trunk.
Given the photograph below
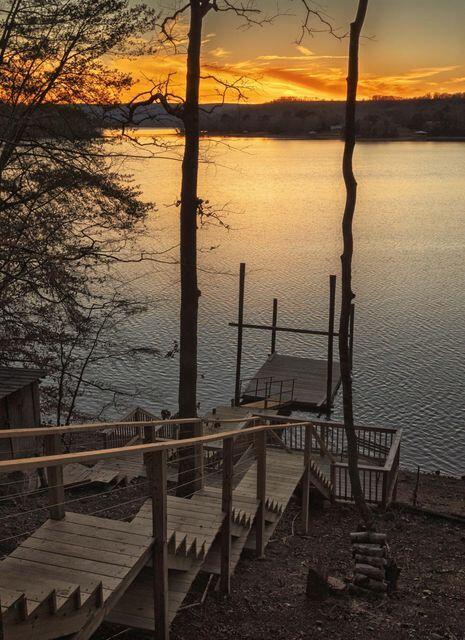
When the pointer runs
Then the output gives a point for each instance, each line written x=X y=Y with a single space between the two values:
x=188 y=246
x=346 y=262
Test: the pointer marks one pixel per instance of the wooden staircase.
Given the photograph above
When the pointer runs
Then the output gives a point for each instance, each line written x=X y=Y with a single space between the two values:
x=66 y=575
x=72 y=574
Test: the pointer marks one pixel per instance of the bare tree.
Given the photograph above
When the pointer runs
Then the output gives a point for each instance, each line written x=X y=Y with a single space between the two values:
x=192 y=207
x=346 y=261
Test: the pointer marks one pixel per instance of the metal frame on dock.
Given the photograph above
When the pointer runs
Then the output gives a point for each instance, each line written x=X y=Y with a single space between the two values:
x=274 y=328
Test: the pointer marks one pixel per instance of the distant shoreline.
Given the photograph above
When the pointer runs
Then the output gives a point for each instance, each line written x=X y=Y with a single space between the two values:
x=323 y=137
x=283 y=136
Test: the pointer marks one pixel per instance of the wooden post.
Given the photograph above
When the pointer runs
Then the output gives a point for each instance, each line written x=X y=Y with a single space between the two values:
x=329 y=364
x=157 y=463
x=306 y=478
x=240 y=322
x=226 y=507
x=351 y=334
x=56 y=491
x=198 y=458
x=333 y=481
x=260 y=449
x=384 y=489
x=2 y=636
x=274 y=323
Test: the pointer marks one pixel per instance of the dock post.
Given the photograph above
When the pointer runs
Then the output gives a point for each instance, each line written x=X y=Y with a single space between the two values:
x=240 y=322
x=329 y=364
x=157 y=463
x=56 y=489
x=306 y=478
x=274 y=324
x=351 y=334
x=260 y=448
x=226 y=507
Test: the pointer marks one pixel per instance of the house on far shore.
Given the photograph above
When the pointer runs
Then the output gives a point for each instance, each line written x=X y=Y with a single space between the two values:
x=19 y=408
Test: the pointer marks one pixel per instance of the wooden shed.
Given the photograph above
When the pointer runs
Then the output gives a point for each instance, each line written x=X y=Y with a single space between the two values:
x=19 y=407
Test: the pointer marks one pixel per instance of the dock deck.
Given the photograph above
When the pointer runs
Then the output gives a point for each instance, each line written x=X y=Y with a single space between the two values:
x=310 y=379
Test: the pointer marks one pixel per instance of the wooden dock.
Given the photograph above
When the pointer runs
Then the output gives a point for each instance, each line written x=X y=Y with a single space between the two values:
x=309 y=387
x=287 y=381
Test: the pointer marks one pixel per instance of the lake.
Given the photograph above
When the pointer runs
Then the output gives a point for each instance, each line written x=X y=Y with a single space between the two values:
x=283 y=200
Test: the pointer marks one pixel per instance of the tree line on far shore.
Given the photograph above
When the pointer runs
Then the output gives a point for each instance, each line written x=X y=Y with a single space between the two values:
x=382 y=117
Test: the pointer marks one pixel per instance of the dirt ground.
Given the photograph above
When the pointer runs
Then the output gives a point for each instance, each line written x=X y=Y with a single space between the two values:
x=268 y=596
x=443 y=494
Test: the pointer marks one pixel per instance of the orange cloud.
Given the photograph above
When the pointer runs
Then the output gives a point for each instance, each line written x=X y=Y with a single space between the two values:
x=304 y=75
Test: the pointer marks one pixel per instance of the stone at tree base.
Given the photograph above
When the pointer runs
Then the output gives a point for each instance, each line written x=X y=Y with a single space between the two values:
x=317 y=585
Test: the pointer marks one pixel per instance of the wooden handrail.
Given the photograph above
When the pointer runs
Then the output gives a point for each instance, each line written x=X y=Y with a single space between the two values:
x=329 y=423
x=37 y=432
x=22 y=464
x=365 y=467
x=33 y=432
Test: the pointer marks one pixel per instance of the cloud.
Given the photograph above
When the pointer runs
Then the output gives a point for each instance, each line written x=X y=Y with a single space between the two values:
x=304 y=51
x=219 y=52
x=272 y=76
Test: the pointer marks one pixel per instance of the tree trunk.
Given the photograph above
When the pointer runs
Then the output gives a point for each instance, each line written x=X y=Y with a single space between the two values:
x=188 y=248
x=346 y=262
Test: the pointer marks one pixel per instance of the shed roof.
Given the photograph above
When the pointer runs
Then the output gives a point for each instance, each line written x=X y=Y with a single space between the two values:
x=14 y=378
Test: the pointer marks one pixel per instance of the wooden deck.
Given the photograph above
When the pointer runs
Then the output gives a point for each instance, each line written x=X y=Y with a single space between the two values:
x=310 y=377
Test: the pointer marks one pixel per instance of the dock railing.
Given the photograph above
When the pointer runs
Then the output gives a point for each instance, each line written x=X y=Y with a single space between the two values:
x=379 y=456
x=268 y=389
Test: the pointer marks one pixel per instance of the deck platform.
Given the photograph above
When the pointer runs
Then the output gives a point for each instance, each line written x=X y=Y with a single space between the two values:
x=310 y=376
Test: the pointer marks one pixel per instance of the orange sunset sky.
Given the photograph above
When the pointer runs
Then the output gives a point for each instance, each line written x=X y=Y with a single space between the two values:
x=412 y=47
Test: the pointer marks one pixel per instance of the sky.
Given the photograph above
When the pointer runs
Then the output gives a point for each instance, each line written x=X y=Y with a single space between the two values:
x=410 y=47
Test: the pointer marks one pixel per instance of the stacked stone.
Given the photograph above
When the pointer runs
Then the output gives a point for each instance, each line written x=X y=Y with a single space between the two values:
x=370 y=553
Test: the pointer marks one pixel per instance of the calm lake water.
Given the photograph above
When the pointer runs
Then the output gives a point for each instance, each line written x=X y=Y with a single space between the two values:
x=283 y=200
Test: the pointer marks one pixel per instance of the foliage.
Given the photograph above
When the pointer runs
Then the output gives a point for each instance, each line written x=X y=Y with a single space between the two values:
x=66 y=212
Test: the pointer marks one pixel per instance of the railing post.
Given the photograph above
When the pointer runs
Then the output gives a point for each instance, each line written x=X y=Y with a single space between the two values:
x=226 y=507
x=260 y=449
x=157 y=463
x=332 y=475
x=56 y=492
x=198 y=457
x=240 y=322
x=2 y=635
x=384 y=489
x=274 y=324
x=306 y=478
x=329 y=365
